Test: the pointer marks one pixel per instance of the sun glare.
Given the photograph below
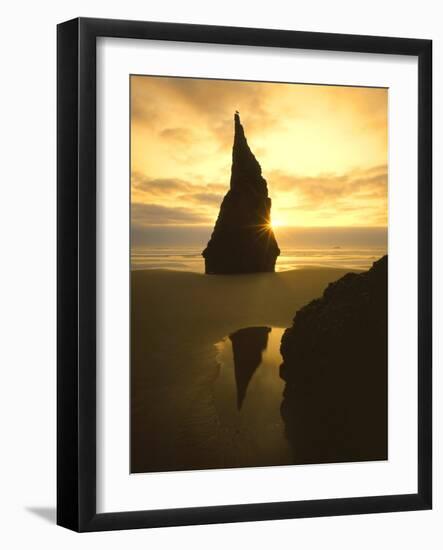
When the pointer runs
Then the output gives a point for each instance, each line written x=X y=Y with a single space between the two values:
x=276 y=223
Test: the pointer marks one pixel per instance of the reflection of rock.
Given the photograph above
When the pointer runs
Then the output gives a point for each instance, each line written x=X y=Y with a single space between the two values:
x=248 y=345
x=243 y=240
x=335 y=368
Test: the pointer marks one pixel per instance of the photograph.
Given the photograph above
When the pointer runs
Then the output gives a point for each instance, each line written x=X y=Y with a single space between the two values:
x=222 y=321
x=259 y=274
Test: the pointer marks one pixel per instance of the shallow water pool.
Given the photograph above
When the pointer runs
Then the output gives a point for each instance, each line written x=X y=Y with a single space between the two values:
x=248 y=395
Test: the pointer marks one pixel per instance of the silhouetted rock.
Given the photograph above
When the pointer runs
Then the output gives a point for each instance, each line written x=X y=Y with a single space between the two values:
x=243 y=240
x=335 y=368
x=248 y=345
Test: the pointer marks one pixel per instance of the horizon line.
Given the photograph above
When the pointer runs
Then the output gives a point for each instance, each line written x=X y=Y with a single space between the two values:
x=278 y=227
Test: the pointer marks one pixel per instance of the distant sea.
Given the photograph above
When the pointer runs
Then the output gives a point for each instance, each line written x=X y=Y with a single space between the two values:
x=190 y=259
x=333 y=247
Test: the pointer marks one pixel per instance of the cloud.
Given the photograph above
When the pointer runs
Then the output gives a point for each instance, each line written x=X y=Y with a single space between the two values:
x=205 y=198
x=358 y=197
x=360 y=192
x=332 y=188
x=158 y=186
x=152 y=189
x=307 y=138
x=203 y=103
x=143 y=215
x=178 y=136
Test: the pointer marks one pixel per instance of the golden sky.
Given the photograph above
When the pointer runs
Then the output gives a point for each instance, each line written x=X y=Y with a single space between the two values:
x=323 y=150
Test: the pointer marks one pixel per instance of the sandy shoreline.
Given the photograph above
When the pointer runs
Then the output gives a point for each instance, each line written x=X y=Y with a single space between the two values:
x=176 y=319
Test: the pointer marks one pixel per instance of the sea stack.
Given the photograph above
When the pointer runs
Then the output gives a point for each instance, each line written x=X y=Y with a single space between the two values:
x=243 y=240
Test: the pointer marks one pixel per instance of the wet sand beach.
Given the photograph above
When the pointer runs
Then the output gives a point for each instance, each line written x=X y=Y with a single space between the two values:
x=192 y=364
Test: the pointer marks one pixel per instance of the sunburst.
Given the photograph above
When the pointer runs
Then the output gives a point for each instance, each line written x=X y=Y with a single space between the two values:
x=275 y=223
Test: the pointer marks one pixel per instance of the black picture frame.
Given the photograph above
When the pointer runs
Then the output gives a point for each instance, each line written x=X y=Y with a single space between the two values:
x=76 y=279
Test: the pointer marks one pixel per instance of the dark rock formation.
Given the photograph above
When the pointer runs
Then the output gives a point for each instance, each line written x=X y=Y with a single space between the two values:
x=335 y=368
x=243 y=240
x=248 y=345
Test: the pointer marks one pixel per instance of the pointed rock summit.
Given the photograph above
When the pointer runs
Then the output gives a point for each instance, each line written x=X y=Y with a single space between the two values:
x=243 y=240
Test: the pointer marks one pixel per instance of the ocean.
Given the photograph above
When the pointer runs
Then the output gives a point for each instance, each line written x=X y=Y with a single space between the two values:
x=344 y=248
x=190 y=259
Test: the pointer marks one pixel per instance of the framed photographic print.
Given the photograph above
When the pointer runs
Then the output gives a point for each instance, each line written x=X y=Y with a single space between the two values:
x=244 y=274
